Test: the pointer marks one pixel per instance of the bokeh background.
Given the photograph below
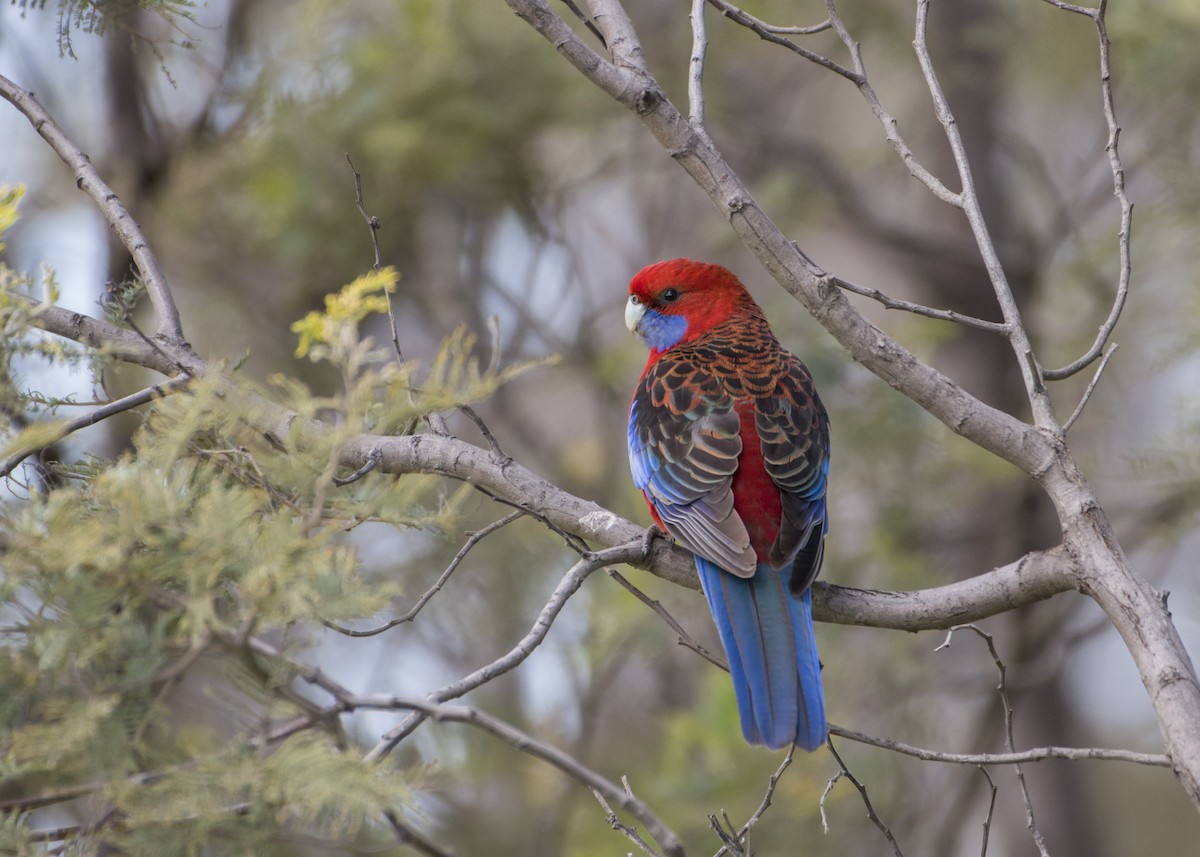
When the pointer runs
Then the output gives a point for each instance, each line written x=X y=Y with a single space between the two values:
x=514 y=194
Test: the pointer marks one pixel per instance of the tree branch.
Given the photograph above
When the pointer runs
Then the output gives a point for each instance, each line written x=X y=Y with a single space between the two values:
x=89 y=181
x=1033 y=578
x=1007 y=710
x=775 y=35
x=1125 y=264
x=917 y=309
x=969 y=202
x=427 y=596
x=862 y=793
x=1038 y=754
x=127 y=403
x=567 y=587
x=347 y=701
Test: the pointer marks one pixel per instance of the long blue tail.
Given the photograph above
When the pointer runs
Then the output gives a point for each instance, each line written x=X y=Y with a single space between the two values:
x=768 y=638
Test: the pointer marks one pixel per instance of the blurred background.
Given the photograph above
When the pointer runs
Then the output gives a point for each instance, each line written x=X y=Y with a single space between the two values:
x=509 y=188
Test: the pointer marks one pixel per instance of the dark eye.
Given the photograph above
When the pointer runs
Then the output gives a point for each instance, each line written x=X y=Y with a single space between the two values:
x=670 y=295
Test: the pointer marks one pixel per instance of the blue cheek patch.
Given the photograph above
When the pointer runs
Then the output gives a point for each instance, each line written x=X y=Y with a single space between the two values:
x=659 y=331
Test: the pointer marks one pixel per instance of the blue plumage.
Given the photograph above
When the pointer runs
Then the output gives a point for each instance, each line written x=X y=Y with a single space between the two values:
x=768 y=637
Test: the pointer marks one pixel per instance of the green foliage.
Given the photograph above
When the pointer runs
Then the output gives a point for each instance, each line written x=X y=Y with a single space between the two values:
x=96 y=17
x=10 y=196
x=18 y=340
x=234 y=796
x=114 y=587
x=120 y=299
x=138 y=583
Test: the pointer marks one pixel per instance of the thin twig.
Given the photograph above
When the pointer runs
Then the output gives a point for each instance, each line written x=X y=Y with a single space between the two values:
x=526 y=743
x=571 y=540
x=1002 y=688
x=969 y=202
x=1118 y=173
x=567 y=587
x=890 y=126
x=621 y=827
x=987 y=821
x=1037 y=754
x=682 y=636
x=917 y=309
x=1091 y=387
x=862 y=791
x=406 y=835
x=727 y=834
x=494 y=445
x=373 y=222
x=137 y=331
x=587 y=22
x=746 y=19
x=427 y=596
x=775 y=35
x=772 y=782
x=134 y=400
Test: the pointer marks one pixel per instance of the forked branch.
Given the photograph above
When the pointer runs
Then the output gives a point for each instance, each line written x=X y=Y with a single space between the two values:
x=88 y=180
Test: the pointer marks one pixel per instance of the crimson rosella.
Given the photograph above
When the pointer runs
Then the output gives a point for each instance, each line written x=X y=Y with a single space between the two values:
x=729 y=444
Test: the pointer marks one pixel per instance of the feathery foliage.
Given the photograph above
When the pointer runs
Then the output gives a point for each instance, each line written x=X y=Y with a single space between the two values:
x=130 y=596
x=96 y=17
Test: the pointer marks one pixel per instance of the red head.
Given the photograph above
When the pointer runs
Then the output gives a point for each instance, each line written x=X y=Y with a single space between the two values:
x=676 y=301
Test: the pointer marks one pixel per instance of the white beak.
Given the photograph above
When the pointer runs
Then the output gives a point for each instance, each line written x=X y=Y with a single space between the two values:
x=634 y=310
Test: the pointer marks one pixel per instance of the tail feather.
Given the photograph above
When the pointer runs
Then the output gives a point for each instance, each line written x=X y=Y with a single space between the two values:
x=768 y=637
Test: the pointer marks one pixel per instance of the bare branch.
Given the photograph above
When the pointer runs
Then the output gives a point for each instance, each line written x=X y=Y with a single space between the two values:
x=1038 y=754
x=526 y=743
x=427 y=596
x=1125 y=264
x=371 y=463
x=696 y=65
x=587 y=22
x=862 y=791
x=405 y=835
x=1091 y=388
x=890 y=126
x=567 y=587
x=775 y=35
x=765 y=804
x=987 y=821
x=1034 y=577
x=917 y=309
x=493 y=444
x=1018 y=337
x=134 y=400
x=109 y=339
x=727 y=833
x=1006 y=705
x=89 y=181
x=630 y=833
x=618 y=34
x=373 y=222
x=683 y=638
x=747 y=20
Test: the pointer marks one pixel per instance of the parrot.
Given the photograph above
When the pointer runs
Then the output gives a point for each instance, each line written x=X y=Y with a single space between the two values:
x=729 y=445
